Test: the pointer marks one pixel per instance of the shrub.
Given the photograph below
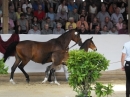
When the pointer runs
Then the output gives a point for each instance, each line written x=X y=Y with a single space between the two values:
x=3 y=67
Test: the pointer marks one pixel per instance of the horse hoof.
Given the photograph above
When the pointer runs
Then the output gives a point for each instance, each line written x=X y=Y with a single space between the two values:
x=57 y=83
x=51 y=82
x=28 y=80
x=11 y=81
x=45 y=79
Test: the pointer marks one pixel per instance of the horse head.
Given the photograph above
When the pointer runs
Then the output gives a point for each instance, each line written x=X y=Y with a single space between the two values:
x=91 y=44
x=76 y=36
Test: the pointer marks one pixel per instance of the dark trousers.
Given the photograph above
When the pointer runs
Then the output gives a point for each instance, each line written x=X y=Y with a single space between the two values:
x=127 y=71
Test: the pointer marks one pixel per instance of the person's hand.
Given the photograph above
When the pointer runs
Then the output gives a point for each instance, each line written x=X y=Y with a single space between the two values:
x=123 y=68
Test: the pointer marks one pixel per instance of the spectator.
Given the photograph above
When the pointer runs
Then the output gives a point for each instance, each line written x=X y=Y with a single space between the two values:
x=34 y=30
x=119 y=24
x=112 y=8
x=74 y=14
x=82 y=21
x=83 y=30
x=125 y=15
x=18 y=30
x=113 y=30
x=115 y=16
x=40 y=14
x=96 y=31
x=51 y=14
x=29 y=15
x=71 y=21
x=49 y=22
x=62 y=6
x=54 y=4
x=25 y=5
x=19 y=11
x=102 y=14
x=35 y=21
x=83 y=13
x=62 y=17
x=70 y=27
x=104 y=30
x=18 y=3
x=94 y=23
x=72 y=5
x=23 y=23
x=36 y=4
x=83 y=6
x=12 y=14
x=46 y=30
x=58 y=29
x=124 y=29
x=107 y=22
x=92 y=10
x=122 y=8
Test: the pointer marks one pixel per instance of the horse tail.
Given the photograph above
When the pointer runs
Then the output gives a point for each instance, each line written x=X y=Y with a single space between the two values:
x=10 y=50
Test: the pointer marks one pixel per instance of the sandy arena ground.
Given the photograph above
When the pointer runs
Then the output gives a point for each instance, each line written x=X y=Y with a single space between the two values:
x=37 y=89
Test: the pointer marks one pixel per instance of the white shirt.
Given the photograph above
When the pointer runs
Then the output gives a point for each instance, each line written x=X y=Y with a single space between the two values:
x=126 y=50
x=24 y=6
x=60 y=7
x=31 y=31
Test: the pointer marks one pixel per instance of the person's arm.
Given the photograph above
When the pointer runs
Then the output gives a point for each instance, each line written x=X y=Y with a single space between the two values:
x=122 y=60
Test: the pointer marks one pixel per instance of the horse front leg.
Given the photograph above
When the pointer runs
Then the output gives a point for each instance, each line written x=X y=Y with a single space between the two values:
x=54 y=75
x=46 y=74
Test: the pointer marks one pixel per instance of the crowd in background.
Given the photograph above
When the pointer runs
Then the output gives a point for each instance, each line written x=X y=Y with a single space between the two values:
x=59 y=16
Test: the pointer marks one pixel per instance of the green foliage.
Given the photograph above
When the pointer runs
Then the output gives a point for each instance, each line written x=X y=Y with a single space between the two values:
x=84 y=68
x=3 y=68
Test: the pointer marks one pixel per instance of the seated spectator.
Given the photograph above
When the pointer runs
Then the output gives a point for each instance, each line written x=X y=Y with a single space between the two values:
x=83 y=13
x=71 y=21
x=72 y=5
x=58 y=29
x=104 y=30
x=40 y=14
x=96 y=31
x=74 y=14
x=62 y=6
x=83 y=30
x=92 y=10
x=35 y=5
x=70 y=27
x=25 y=5
x=12 y=14
x=83 y=6
x=18 y=30
x=122 y=8
x=113 y=30
x=23 y=23
x=107 y=22
x=112 y=8
x=124 y=29
x=51 y=14
x=125 y=15
x=102 y=14
x=82 y=21
x=119 y=24
x=116 y=15
x=62 y=17
x=54 y=4
x=46 y=29
x=29 y=15
x=19 y=11
x=49 y=22
x=94 y=23
x=35 y=21
x=34 y=30
x=10 y=30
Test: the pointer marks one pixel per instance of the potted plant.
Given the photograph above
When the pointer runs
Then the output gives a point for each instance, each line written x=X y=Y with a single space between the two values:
x=3 y=67
x=84 y=68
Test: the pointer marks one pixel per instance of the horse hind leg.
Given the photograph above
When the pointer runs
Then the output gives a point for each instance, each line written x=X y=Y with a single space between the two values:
x=21 y=67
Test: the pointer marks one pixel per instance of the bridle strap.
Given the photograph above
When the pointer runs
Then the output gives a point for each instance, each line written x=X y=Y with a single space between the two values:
x=71 y=46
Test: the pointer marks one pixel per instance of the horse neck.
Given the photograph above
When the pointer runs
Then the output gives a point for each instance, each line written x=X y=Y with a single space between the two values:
x=85 y=46
x=64 y=40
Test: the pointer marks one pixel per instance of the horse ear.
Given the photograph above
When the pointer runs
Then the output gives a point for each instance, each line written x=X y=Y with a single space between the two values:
x=91 y=38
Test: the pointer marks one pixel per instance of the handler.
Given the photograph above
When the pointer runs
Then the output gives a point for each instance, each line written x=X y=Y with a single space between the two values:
x=126 y=57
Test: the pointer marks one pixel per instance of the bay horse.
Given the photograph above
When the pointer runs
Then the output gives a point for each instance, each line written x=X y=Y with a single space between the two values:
x=85 y=45
x=53 y=51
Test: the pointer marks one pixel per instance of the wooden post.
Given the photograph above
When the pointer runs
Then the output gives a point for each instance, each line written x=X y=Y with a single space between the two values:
x=5 y=16
x=129 y=16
